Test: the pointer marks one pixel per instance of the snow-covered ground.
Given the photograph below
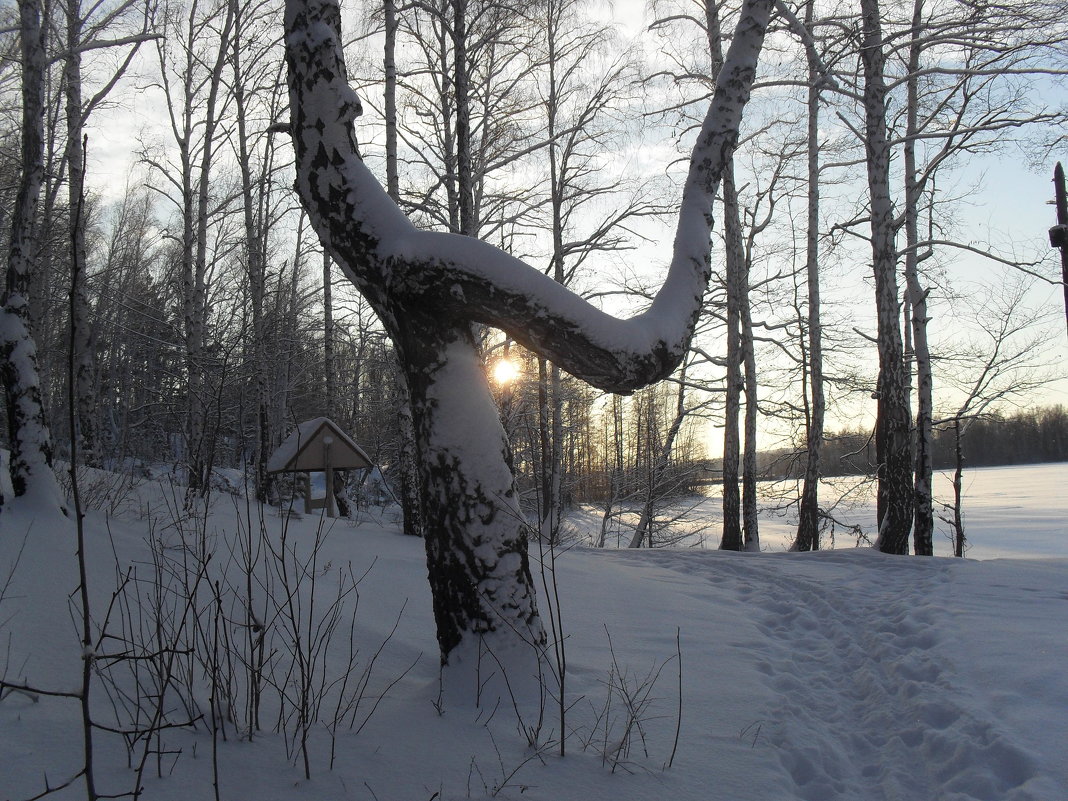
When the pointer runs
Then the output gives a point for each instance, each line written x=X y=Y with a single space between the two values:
x=843 y=674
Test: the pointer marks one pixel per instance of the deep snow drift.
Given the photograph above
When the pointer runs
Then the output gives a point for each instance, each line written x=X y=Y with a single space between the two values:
x=838 y=675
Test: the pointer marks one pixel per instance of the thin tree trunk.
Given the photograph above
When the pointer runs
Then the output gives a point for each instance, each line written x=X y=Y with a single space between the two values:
x=257 y=278
x=732 y=536
x=464 y=177
x=198 y=457
x=389 y=61
x=892 y=435
x=549 y=389
x=329 y=366
x=750 y=525
x=81 y=342
x=735 y=278
x=923 y=532
x=808 y=524
x=411 y=503
x=958 y=473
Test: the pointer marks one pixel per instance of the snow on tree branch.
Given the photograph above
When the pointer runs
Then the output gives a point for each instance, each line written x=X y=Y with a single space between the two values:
x=460 y=278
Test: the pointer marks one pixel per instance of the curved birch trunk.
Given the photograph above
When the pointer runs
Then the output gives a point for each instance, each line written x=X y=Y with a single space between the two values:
x=428 y=288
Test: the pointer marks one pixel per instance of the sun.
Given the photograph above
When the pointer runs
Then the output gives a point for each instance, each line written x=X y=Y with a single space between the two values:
x=505 y=371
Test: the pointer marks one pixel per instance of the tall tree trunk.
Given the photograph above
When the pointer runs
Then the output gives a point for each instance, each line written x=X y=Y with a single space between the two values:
x=735 y=278
x=808 y=524
x=550 y=396
x=750 y=524
x=389 y=62
x=464 y=177
x=733 y=534
x=329 y=360
x=958 y=482
x=892 y=434
x=81 y=342
x=195 y=257
x=30 y=461
x=411 y=503
x=923 y=532
x=257 y=274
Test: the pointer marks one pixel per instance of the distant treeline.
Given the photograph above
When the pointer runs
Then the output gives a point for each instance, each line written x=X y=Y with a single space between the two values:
x=1027 y=437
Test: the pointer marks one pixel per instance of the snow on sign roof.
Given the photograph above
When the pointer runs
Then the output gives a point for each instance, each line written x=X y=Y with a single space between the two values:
x=305 y=449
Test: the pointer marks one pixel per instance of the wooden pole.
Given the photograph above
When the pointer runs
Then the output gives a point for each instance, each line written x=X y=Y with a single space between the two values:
x=1058 y=236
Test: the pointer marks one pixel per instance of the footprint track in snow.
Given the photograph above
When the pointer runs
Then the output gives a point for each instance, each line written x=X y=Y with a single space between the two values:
x=866 y=708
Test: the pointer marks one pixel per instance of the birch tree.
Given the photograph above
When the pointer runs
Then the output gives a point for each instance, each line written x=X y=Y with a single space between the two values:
x=892 y=435
x=86 y=31
x=257 y=98
x=428 y=288
x=30 y=462
x=808 y=521
x=579 y=101
x=192 y=56
x=411 y=505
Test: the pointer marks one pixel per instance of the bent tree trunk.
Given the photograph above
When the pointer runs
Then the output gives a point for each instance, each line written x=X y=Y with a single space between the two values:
x=475 y=539
x=428 y=288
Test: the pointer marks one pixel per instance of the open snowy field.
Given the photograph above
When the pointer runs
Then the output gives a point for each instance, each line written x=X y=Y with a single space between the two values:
x=1016 y=512
x=842 y=674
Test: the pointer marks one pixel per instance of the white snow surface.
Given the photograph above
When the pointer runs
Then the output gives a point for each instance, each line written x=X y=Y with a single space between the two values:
x=842 y=674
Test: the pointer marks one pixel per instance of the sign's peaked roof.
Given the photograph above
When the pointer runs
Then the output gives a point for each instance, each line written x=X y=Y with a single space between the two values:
x=305 y=449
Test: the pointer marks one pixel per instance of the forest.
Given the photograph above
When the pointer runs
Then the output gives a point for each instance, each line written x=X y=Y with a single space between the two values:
x=169 y=308
x=1031 y=436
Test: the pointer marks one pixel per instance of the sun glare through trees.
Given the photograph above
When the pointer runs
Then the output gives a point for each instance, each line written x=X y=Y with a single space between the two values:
x=506 y=371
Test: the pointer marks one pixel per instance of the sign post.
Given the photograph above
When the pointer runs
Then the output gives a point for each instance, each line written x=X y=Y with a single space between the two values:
x=1058 y=234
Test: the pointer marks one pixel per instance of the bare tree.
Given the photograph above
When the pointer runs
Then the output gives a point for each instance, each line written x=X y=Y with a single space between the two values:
x=1002 y=363
x=86 y=31
x=192 y=57
x=892 y=435
x=808 y=519
x=580 y=102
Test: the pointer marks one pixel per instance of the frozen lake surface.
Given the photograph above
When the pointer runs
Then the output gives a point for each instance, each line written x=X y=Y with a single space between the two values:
x=1017 y=512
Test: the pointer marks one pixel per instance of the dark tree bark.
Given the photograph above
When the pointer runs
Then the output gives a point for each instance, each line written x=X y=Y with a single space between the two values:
x=731 y=538
x=958 y=490
x=735 y=279
x=892 y=432
x=429 y=288
x=923 y=530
